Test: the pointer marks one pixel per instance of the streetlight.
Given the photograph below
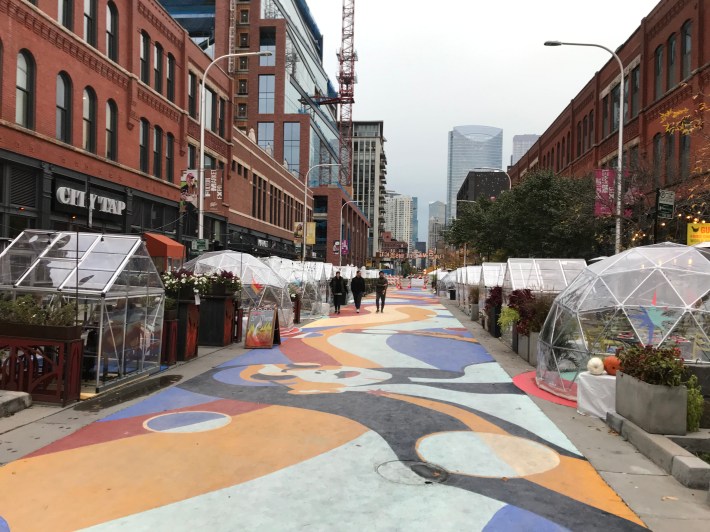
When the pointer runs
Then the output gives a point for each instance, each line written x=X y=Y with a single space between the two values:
x=340 y=247
x=305 y=200
x=617 y=242
x=201 y=203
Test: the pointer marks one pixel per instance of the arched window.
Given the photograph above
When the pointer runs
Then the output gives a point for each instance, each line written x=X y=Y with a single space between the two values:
x=25 y=90
x=65 y=13
x=685 y=49
x=143 y=144
x=658 y=73
x=170 y=78
x=64 y=107
x=657 y=159
x=90 y=22
x=89 y=119
x=111 y=130
x=671 y=58
x=145 y=57
x=157 y=152
x=169 y=157
x=158 y=67
x=112 y=32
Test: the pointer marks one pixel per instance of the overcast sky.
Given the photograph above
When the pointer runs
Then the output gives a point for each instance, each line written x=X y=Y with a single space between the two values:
x=426 y=67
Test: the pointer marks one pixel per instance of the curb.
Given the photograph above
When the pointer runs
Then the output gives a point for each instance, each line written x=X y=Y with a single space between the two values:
x=684 y=466
x=13 y=402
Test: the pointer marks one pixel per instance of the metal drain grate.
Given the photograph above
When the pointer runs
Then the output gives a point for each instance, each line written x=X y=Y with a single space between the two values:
x=412 y=473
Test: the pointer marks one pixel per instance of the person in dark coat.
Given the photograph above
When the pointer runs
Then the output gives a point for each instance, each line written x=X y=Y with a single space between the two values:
x=357 y=285
x=380 y=292
x=339 y=287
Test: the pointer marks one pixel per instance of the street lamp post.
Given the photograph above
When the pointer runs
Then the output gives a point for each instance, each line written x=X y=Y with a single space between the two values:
x=340 y=247
x=305 y=201
x=620 y=162
x=201 y=163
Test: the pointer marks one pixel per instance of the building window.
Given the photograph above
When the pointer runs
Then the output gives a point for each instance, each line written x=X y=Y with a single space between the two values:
x=579 y=141
x=292 y=145
x=685 y=49
x=615 y=108
x=90 y=22
x=64 y=107
x=170 y=158
x=585 y=138
x=591 y=129
x=564 y=152
x=241 y=110
x=157 y=152
x=254 y=195
x=267 y=43
x=89 y=119
x=635 y=90
x=111 y=130
x=266 y=94
x=625 y=111
x=112 y=32
x=192 y=95
x=243 y=40
x=145 y=59
x=158 y=67
x=657 y=159
x=243 y=63
x=658 y=73
x=222 y=116
x=605 y=116
x=242 y=88
x=25 y=90
x=244 y=16
x=65 y=13
x=191 y=157
x=671 y=58
x=265 y=136
x=684 y=156
x=670 y=157
x=143 y=140
x=210 y=121
x=170 y=78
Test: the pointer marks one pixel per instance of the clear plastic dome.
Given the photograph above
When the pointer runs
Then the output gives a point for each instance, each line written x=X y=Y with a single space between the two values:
x=654 y=295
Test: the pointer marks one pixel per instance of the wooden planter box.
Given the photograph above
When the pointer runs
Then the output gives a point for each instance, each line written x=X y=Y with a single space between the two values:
x=656 y=409
x=41 y=332
x=216 y=321
x=188 y=330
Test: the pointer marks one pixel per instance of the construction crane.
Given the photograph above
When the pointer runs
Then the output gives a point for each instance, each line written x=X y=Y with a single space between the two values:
x=346 y=81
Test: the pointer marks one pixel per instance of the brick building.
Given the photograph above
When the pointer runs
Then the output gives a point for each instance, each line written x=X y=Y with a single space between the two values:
x=666 y=64
x=100 y=100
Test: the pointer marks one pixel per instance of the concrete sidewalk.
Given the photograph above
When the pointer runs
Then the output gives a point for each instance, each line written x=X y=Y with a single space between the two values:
x=661 y=501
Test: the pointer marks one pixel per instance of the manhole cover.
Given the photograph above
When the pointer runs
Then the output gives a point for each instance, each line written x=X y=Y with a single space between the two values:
x=412 y=473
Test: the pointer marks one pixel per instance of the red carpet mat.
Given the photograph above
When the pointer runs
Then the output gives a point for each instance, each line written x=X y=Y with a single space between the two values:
x=526 y=382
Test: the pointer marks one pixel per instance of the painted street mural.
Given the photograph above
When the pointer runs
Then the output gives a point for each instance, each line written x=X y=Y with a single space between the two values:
x=393 y=421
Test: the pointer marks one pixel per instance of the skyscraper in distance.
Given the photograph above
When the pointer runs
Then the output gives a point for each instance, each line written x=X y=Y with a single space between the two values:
x=521 y=144
x=470 y=147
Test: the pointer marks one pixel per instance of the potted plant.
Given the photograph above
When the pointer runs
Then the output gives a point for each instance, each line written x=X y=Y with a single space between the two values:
x=652 y=390
x=507 y=320
x=473 y=295
x=223 y=283
x=29 y=316
x=533 y=312
x=170 y=308
x=492 y=309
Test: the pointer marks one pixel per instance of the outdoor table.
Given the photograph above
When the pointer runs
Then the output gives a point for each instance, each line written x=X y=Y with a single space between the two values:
x=596 y=394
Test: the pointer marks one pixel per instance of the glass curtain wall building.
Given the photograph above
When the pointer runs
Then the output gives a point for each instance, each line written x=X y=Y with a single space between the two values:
x=369 y=175
x=470 y=147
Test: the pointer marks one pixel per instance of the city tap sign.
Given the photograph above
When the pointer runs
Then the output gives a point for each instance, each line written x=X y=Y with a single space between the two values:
x=96 y=202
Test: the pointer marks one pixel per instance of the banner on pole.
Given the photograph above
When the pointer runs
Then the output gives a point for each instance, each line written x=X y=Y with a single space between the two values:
x=188 y=188
x=604 y=179
x=311 y=233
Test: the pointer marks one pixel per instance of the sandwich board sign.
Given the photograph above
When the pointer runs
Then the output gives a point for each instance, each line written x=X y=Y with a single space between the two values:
x=262 y=328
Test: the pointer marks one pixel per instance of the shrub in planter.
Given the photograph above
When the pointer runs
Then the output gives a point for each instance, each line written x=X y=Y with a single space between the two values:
x=492 y=308
x=663 y=369
x=30 y=310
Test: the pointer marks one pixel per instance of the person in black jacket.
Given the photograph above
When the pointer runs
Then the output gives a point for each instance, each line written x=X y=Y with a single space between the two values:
x=357 y=285
x=339 y=287
x=380 y=292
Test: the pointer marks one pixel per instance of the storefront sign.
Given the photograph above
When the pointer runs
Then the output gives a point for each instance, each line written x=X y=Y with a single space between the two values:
x=77 y=198
x=698 y=233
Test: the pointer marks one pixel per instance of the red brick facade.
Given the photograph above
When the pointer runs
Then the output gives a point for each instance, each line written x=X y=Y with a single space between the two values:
x=261 y=199
x=583 y=138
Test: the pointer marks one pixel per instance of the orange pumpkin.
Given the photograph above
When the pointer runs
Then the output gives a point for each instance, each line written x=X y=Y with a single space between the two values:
x=612 y=364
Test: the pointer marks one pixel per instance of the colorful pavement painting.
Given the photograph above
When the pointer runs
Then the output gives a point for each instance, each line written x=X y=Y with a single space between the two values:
x=392 y=421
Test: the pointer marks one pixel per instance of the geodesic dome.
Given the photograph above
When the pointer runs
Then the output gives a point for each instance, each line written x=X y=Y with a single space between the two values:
x=298 y=275
x=657 y=295
x=261 y=286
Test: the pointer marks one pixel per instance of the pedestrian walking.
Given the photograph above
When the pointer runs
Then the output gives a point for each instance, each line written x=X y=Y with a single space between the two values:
x=357 y=285
x=339 y=287
x=380 y=292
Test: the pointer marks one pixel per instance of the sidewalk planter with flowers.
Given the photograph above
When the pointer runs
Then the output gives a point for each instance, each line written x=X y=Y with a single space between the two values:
x=182 y=286
x=532 y=311
x=651 y=391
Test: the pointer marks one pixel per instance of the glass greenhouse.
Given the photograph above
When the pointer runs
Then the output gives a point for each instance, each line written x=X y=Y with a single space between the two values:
x=657 y=295
x=541 y=275
x=116 y=287
x=491 y=276
x=261 y=286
